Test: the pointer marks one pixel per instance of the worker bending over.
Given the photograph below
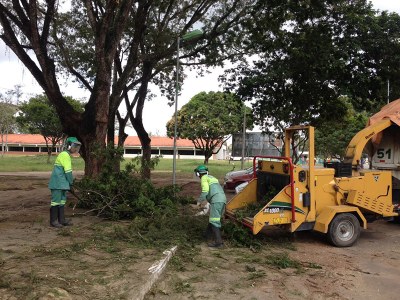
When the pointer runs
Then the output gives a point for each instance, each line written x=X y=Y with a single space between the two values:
x=212 y=192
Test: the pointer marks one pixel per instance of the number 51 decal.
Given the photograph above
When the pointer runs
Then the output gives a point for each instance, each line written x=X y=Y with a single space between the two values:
x=384 y=154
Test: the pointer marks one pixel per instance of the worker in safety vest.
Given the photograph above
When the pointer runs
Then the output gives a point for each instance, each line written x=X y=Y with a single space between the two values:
x=212 y=192
x=61 y=181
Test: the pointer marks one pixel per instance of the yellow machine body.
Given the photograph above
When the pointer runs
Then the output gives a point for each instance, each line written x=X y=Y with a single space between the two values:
x=300 y=197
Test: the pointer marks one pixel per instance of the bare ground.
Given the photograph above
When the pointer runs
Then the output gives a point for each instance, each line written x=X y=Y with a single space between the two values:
x=39 y=262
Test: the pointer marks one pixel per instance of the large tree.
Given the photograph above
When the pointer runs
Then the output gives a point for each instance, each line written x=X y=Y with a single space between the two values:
x=309 y=53
x=209 y=119
x=7 y=115
x=114 y=49
x=38 y=116
x=7 y=122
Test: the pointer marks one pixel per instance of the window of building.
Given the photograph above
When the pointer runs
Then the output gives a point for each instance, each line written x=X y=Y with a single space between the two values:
x=15 y=148
x=31 y=149
x=44 y=149
x=167 y=152
x=186 y=152
x=133 y=151
x=199 y=152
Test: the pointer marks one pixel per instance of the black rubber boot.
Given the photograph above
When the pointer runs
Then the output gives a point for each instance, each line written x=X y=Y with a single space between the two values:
x=54 y=217
x=207 y=235
x=218 y=239
x=61 y=217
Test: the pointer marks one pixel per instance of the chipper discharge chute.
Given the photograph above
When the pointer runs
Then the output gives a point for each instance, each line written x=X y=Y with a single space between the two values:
x=305 y=197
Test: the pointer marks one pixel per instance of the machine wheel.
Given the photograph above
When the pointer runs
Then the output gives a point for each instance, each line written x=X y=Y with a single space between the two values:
x=344 y=230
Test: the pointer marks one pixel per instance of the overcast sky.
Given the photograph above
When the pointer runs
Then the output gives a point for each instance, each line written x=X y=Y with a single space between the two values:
x=156 y=112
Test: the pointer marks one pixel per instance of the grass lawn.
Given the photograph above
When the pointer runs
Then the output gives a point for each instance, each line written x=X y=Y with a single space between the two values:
x=33 y=163
x=38 y=163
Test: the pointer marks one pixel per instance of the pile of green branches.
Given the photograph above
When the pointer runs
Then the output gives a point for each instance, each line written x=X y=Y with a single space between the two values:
x=125 y=194
x=251 y=209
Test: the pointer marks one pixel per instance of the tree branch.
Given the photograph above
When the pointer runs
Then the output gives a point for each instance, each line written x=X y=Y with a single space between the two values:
x=47 y=20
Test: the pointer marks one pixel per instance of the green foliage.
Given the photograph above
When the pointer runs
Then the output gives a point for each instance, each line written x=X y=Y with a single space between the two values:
x=332 y=138
x=7 y=119
x=282 y=261
x=312 y=265
x=117 y=48
x=39 y=116
x=254 y=273
x=161 y=230
x=124 y=195
x=240 y=236
x=253 y=208
x=249 y=210
x=311 y=53
x=208 y=119
x=183 y=287
x=138 y=164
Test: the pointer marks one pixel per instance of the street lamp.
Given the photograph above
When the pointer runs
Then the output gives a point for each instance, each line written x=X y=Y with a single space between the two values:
x=187 y=37
x=244 y=136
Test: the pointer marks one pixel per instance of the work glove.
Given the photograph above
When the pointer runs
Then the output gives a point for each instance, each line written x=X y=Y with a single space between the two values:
x=202 y=204
x=205 y=208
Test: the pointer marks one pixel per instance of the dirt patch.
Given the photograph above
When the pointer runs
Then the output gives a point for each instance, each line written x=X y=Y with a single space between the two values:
x=88 y=261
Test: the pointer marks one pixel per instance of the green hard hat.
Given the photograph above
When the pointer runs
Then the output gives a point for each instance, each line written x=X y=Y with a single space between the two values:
x=72 y=140
x=202 y=169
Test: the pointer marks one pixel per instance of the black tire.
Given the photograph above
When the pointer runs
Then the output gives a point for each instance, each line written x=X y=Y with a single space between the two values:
x=396 y=220
x=344 y=230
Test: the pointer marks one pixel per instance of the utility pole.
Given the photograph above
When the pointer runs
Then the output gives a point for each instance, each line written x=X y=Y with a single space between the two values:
x=388 y=91
x=244 y=136
x=187 y=37
x=176 y=113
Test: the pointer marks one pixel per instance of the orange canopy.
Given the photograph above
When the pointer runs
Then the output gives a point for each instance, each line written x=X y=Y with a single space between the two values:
x=389 y=111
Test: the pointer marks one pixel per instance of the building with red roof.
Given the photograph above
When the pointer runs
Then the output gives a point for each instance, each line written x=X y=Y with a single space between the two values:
x=161 y=146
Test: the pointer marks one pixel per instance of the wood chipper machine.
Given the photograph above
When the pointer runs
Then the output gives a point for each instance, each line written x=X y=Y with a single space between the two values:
x=336 y=201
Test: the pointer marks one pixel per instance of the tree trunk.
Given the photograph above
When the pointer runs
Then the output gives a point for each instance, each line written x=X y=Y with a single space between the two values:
x=111 y=129
x=90 y=153
x=48 y=155
x=145 y=141
x=208 y=152
x=122 y=136
x=48 y=150
x=137 y=122
x=2 y=144
x=111 y=140
x=111 y=136
x=146 y=147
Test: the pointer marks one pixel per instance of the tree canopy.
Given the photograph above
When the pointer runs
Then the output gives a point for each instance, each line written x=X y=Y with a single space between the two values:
x=38 y=116
x=114 y=49
x=332 y=138
x=7 y=122
x=309 y=53
x=209 y=119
